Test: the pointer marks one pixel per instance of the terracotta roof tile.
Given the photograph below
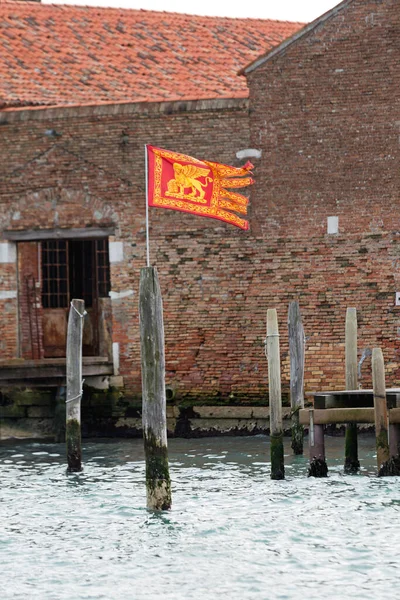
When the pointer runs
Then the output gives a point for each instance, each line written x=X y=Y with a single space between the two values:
x=65 y=54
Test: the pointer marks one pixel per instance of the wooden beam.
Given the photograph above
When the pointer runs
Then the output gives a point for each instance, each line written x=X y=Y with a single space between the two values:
x=338 y=415
x=87 y=233
x=345 y=415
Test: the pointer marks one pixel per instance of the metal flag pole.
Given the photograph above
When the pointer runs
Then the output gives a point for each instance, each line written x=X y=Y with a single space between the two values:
x=147 y=206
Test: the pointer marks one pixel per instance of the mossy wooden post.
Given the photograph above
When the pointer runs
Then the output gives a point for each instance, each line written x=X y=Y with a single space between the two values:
x=74 y=385
x=158 y=482
x=318 y=466
x=275 y=397
x=351 y=462
x=381 y=413
x=394 y=439
x=296 y=351
x=394 y=435
x=60 y=415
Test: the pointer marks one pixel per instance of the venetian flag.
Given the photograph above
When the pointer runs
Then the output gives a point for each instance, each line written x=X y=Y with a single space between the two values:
x=203 y=188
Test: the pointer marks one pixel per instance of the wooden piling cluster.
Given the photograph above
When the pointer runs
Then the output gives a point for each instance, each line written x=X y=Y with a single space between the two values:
x=350 y=407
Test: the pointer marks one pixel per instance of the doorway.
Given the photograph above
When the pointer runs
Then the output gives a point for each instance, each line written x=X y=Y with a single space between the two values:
x=72 y=269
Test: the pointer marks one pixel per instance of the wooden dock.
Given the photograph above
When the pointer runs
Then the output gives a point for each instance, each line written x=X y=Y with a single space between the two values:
x=349 y=406
x=355 y=406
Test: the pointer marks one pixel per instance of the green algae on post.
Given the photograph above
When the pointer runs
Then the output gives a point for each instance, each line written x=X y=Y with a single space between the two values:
x=277 y=457
x=297 y=431
x=317 y=466
x=351 y=462
x=158 y=484
x=74 y=448
x=390 y=468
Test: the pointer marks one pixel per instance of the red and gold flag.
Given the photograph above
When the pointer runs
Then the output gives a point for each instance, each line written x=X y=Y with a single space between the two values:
x=203 y=188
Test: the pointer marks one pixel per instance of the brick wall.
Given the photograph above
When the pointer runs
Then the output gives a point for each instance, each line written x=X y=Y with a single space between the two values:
x=325 y=113
x=85 y=167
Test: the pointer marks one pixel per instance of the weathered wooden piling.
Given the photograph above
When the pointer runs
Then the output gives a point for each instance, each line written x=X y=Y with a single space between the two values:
x=394 y=439
x=296 y=351
x=351 y=462
x=275 y=396
x=60 y=415
x=74 y=385
x=381 y=414
x=317 y=466
x=158 y=484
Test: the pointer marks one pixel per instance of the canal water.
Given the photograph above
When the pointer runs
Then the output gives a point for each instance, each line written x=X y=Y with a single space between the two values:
x=232 y=532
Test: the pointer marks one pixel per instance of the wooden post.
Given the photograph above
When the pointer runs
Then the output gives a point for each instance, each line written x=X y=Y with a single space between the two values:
x=351 y=462
x=60 y=415
x=318 y=466
x=381 y=414
x=394 y=435
x=394 y=439
x=275 y=397
x=296 y=350
x=74 y=385
x=158 y=484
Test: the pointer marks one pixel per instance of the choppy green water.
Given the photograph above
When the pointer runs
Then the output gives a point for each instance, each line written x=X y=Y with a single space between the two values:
x=232 y=533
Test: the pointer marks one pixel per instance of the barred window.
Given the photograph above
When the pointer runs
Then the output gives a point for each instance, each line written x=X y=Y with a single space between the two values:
x=74 y=269
x=55 y=274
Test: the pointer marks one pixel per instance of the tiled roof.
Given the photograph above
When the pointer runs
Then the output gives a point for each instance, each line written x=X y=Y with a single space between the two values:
x=65 y=54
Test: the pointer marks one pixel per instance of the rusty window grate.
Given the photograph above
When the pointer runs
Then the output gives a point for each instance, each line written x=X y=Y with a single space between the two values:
x=54 y=274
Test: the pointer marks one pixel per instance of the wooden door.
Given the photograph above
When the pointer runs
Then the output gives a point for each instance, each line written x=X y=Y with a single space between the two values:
x=72 y=269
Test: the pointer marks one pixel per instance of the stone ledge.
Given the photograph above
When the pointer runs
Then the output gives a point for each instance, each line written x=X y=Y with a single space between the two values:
x=46 y=113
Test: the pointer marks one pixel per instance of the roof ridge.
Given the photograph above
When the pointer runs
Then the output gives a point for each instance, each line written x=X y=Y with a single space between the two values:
x=41 y=5
x=307 y=28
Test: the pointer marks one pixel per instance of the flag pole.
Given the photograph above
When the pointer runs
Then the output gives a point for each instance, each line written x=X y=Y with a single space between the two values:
x=147 y=206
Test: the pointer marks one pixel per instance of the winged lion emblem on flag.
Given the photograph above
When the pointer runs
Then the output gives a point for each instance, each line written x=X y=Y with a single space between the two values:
x=187 y=178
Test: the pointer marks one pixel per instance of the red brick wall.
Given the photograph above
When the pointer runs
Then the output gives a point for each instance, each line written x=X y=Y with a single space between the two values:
x=217 y=281
x=325 y=113
x=92 y=175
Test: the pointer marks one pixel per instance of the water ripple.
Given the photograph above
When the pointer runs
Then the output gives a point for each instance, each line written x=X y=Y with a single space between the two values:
x=231 y=532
